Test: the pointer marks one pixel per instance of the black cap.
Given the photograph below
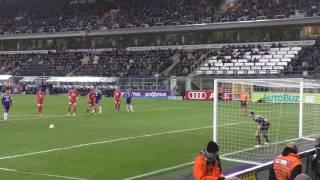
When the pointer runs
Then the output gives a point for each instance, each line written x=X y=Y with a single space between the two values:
x=212 y=147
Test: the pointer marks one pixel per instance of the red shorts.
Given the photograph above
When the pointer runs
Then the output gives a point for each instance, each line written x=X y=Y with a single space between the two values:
x=73 y=103
x=91 y=103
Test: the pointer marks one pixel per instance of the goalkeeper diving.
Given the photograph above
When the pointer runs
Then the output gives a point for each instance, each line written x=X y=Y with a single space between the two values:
x=262 y=129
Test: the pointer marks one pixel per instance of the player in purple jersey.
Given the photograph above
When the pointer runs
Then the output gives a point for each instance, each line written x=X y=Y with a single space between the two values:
x=6 y=104
x=128 y=94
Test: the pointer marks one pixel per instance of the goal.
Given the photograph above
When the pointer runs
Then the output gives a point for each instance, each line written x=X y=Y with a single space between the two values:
x=291 y=106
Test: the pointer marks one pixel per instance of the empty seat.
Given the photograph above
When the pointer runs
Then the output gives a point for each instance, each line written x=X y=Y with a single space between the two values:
x=228 y=64
x=285 y=49
x=267 y=67
x=274 y=49
x=267 y=56
x=289 y=56
x=282 y=63
x=252 y=72
x=274 y=72
x=242 y=60
x=274 y=60
x=245 y=68
x=271 y=64
x=238 y=64
x=249 y=64
x=235 y=68
x=278 y=56
x=256 y=56
x=260 y=63
x=264 y=60
x=282 y=52
x=262 y=72
x=212 y=61
x=278 y=67
x=296 y=48
x=292 y=52
x=230 y=72
x=256 y=67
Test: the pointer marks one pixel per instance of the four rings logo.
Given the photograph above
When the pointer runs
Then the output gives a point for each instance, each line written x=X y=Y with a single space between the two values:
x=197 y=95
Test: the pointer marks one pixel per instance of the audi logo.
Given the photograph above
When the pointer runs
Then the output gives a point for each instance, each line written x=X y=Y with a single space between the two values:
x=197 y=95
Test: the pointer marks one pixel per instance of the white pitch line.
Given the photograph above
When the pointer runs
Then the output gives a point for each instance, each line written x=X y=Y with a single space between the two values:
x=111 y=141
x=41 y=174
x=58 y=116
x=102 y=142
x=159 y=171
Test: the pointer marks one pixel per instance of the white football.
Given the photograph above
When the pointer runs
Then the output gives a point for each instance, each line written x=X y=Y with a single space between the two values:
x=51 y=126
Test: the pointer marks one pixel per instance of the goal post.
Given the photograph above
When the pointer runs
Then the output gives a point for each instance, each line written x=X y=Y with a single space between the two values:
x=291 y=106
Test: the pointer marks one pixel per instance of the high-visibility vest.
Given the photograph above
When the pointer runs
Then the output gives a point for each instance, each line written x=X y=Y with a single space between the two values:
x=202 y=171
x=284 y=165
x=244 y=96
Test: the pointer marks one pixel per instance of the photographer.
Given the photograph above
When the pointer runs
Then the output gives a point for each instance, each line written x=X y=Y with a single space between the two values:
x=207 y=164
x=316 y=160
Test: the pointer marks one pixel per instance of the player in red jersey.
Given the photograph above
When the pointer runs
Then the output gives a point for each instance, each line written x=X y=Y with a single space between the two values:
x=117 y=99
x=73 y=97
x=91 y=101
x=39 y=100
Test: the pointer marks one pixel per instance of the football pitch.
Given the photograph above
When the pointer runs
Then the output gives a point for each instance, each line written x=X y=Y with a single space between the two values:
x=160 y=134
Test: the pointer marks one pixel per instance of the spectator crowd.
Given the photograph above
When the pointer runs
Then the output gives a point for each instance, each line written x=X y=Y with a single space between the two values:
x=36 y=16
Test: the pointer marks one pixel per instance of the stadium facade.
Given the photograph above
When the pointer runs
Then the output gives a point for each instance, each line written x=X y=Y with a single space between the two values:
x=290 y=29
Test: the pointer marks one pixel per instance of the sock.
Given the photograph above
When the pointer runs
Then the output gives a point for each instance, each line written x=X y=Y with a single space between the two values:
x=69 y=108
x=258 y=139
x=95 y=109
x=88 y=109
x=100 y=109
x=40 y=109
x=5 y=116
x=128 y=108
x=74 y=109
x=131 y=107
x=266 y=137
x=119 y=107
x=116 y=106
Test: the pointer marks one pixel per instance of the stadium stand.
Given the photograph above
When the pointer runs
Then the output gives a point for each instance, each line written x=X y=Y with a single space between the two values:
x=47 y=64
x=248 y=60
x=10 y=62
x=126 y=64
x=229 y=60
x=44 y=16
x=114 y=63
x=187 y=59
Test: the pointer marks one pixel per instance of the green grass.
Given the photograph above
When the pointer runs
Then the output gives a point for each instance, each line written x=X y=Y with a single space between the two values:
x=125 y=150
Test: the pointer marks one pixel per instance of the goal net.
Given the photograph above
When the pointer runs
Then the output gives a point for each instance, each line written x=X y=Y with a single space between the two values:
x=290 y=106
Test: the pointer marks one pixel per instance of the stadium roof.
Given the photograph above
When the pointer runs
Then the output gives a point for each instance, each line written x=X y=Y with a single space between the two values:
x=82 y=79
x=5 y=77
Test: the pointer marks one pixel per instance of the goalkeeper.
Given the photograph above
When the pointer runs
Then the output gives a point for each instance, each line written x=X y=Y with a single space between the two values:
x=263 y=127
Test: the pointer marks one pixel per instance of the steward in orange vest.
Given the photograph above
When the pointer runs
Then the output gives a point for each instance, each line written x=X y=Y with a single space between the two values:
x=287 y=165
x=207 y=164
